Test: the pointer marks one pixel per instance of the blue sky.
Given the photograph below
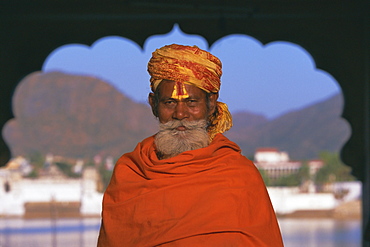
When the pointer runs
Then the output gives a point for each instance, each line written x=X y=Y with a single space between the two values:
x=269 y=79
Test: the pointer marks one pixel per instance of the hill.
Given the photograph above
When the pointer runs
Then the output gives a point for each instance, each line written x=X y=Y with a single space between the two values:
x=303 y=133
x=80 y=117
x=75 y=116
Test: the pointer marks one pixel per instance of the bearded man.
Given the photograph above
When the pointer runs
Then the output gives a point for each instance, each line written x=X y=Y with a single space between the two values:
x=187 y=185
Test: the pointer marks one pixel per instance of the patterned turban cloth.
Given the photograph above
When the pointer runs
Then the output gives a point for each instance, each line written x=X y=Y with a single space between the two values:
x=194 y=66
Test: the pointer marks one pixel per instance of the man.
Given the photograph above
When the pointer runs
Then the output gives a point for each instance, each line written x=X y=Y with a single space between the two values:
x=188 y=185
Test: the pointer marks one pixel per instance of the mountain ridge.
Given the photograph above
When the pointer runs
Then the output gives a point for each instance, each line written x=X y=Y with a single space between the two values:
x=80 y=117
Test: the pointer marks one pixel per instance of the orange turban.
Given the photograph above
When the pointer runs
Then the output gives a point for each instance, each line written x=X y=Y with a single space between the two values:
x=194 y=66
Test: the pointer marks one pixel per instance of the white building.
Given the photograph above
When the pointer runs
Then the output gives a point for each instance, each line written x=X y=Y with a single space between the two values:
x=274 y=163
x=270 y=155
x=49 y=194
x=277 y=164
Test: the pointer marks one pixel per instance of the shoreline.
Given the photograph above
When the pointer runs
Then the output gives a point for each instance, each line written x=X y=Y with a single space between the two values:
x=351 y=210
x=347 y=211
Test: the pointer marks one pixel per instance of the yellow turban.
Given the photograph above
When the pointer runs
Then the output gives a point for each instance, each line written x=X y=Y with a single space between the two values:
x=191 y=65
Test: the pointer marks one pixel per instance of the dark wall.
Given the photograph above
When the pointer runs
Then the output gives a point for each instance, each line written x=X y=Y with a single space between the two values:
x=335 y=33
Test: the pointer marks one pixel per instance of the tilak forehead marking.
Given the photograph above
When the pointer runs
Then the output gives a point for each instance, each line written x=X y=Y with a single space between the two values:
x=179 y=91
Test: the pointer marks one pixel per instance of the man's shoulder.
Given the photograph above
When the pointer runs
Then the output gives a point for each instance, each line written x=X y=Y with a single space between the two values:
x=222 y=143
x=147 y=141
x=229 y=151
x=223 y=148
x=144 y=146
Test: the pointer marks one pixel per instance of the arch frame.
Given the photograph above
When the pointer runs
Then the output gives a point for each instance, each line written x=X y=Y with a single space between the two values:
x=336 y=34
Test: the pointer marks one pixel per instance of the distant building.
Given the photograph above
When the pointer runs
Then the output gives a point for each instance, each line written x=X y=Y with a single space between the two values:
x=274 y=163
x=277 y=164
x=52 y=194
x=270 y=155
x=315 y=165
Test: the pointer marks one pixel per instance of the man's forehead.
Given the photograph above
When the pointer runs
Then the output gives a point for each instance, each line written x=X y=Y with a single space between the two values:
x=179 y=90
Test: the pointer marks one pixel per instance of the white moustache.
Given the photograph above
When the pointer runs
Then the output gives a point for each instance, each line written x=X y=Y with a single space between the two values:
x=189 y=125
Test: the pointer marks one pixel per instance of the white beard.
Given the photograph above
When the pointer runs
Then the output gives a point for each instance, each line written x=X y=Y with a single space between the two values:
x=170 y=142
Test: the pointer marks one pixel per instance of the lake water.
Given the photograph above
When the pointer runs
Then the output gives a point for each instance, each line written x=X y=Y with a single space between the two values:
x=84 y=232
x=320 y=232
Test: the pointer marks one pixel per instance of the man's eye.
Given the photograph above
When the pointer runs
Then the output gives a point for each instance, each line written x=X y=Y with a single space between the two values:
x=169 y=102
x=192 y=102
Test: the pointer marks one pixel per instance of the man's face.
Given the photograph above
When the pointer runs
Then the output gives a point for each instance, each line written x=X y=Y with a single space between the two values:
x=183 y=120
x=195 y=106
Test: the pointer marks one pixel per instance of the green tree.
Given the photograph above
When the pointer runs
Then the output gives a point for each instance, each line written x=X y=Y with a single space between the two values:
x=304 y=172
x=295 y=179
x=66 y=168
x=105 y=177
x=289 y=180
x=37 y=161
x=265 y=177
x=333 y=170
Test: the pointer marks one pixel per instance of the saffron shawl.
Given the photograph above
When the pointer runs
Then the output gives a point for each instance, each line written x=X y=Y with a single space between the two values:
x=211 y=196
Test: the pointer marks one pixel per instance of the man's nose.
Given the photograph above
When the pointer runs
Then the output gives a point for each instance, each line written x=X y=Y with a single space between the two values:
x=181 y=111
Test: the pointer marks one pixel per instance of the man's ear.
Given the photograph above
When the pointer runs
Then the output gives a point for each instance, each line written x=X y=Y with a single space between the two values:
x=152 y=103
x=213 y=97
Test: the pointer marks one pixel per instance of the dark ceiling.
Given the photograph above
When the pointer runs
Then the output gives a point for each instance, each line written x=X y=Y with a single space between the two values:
x=335 y=32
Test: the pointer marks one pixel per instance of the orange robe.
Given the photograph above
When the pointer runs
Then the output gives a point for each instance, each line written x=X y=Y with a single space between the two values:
x=212 y=196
